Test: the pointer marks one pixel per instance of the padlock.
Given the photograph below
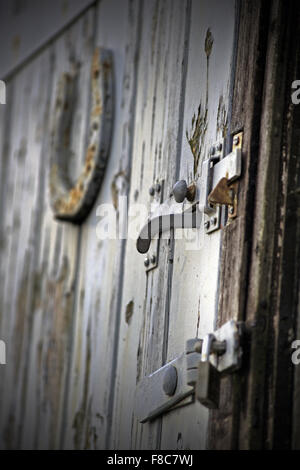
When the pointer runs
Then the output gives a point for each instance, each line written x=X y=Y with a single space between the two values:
x=207 y=388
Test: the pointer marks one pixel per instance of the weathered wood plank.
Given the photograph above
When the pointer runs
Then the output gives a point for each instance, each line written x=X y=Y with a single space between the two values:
x=142 y=347
x=259 y=412
x=195 y=268
x=41 y=255
x=99 y=286
x=271 y=337
x=29 y=25
x=237 y=235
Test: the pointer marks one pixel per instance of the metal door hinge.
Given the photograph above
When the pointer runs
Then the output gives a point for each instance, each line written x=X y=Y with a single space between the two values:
x=187 y=204
x=169 y=386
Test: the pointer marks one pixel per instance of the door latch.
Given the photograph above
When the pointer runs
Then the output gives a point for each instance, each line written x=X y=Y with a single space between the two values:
x=186 y=206
x=185 y=377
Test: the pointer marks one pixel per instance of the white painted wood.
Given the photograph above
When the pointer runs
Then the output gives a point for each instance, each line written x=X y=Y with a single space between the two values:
x=39 y=255
x=101 y=261
x=82 y=320
x=195 y=272
x=141 y=344
x=60 y=257
x=28 y=25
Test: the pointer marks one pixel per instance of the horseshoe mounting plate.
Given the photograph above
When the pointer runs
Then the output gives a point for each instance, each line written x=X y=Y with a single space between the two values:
x=73 y=201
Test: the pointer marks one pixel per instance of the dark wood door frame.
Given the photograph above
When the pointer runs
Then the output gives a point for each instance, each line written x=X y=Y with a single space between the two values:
x=259 y=277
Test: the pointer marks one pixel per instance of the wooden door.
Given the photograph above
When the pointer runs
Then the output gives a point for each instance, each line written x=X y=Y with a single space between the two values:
x=177 y=121
x=82 y=319
x=59 y=282
x=85 y=318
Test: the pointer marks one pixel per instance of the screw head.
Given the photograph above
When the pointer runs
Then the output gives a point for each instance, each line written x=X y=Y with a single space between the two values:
x=151 y=191
x=207 y=225
x=153 y=259
x=180 y=191
x=146 y=262
x=170 y=381
x=157 y=188
x=236 y=140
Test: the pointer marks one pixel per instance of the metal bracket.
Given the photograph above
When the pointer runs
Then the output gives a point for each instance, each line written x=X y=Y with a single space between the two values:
x=224 y=191
x=230 y=361
x=171 y=384
x=212 y=214
x=154 y=395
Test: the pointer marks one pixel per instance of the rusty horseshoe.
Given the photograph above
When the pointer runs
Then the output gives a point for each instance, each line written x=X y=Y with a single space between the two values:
x=73 y=201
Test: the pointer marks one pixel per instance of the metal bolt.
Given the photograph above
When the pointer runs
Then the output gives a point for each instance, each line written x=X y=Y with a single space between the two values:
x=236 y=140
x=180 y=191
x=146 y=262
x=153 y=259
x=152 y=191
x=218 y=347
x=158 y=188
x=207 y=225
x=170 y=381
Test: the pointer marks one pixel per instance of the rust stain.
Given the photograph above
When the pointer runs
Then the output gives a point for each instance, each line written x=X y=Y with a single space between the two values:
x=97 y=111
x=96 y=64
x=68 y=201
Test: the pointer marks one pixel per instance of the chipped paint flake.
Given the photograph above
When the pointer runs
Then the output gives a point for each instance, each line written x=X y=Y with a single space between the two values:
x=129 y=311
x=196 y=138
